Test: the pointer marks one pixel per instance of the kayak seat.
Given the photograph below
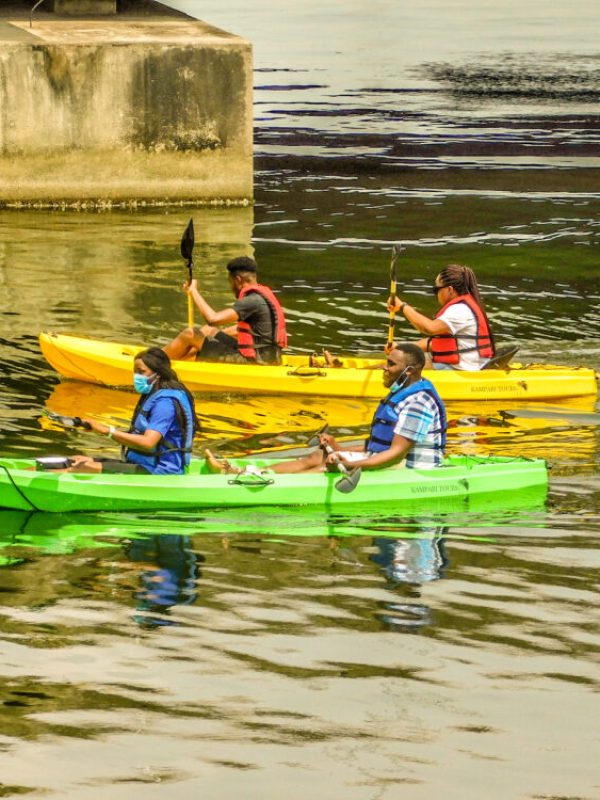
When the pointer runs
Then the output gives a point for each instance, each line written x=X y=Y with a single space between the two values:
x=502 y=358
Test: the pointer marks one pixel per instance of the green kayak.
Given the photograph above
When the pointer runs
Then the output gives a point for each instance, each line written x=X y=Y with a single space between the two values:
x=457 y=518
x=22 y=487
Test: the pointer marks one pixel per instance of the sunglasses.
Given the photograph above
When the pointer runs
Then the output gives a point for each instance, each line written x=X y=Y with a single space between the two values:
x=435 y=289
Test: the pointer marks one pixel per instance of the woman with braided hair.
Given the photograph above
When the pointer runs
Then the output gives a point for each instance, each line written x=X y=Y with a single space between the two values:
x=459 y=336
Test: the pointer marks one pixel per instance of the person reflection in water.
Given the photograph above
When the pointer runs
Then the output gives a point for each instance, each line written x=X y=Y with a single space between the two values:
x=413 y=561
x=169 y=579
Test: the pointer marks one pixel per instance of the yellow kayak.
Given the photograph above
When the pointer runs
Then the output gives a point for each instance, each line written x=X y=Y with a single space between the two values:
x=110 y=364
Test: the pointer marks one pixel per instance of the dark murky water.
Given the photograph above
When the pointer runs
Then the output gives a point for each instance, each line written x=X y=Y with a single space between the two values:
x=370 y=655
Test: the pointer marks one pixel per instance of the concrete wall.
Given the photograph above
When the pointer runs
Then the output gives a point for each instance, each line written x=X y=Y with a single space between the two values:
x=119 y=111
x=84 y=7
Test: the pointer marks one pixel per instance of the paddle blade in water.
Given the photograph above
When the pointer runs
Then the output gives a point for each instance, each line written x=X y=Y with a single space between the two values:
x=187 y=241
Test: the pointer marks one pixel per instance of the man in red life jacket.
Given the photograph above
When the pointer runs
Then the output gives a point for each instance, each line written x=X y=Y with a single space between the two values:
x=459 y=337
x=257 y=332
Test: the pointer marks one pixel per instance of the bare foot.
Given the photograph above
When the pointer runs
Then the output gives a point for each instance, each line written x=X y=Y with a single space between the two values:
x=220 y=466
x=331 y=361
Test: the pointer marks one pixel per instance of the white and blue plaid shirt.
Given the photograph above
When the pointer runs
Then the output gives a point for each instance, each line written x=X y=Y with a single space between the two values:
x=418 y=418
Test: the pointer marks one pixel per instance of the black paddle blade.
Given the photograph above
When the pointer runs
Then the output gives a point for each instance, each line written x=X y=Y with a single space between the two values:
x=314 y=439
x=67 y=422
x=349 y=481
x=187 y=242
x=396 y=250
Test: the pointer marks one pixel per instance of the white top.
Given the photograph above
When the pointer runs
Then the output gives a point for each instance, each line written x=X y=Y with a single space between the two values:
x=460 y=319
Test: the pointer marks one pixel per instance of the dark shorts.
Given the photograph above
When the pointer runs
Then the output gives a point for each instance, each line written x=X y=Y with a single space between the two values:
x=114 y=466
x=221 y=347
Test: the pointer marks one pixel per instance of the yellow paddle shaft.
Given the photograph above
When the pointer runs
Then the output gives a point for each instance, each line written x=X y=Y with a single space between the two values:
x=390 y=339
x=190 y=304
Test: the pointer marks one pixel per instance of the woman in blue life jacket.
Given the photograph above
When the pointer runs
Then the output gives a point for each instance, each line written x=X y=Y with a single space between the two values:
x=159 y=440
x=409 y=423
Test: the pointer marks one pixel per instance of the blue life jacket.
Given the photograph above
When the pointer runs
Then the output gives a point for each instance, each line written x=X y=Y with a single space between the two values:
x=386 y=417
x=184 y=414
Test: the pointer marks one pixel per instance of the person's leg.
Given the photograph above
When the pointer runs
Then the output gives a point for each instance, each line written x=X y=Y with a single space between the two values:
x=326 y=360
x=186 y=344
x=83 y=464
x=313 y=462
x=219 y=465
x=111 y=466
x=115 y=466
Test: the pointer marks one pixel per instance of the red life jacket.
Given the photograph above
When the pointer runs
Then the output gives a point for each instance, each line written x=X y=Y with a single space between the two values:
x=245 y=334
x=444 y=347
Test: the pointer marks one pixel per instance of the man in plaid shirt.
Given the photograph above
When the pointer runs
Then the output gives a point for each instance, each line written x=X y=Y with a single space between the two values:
x=409 y=423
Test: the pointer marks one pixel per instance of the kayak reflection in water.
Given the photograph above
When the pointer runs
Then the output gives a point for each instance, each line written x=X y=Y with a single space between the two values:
x=159 y=440
x=257 y=332
x=410 y=423
x=459 y=337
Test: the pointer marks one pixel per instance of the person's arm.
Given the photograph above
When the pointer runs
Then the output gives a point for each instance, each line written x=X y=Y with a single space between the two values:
x=394 y=454
x=212 y=317
x=421 y=323
x=146 y=441
x=327 y=440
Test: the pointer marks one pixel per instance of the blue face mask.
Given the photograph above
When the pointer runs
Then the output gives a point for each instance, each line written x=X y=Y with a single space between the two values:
x=401 y=380
x=142 y=383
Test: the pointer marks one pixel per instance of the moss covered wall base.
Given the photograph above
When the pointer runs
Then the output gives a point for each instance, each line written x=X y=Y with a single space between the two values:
x=124 y=110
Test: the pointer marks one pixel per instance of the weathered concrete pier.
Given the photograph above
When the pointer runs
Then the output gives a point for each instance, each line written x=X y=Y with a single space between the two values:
x=134 y=104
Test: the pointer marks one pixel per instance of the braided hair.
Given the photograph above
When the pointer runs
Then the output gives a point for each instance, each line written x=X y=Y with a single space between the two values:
x=462 y=279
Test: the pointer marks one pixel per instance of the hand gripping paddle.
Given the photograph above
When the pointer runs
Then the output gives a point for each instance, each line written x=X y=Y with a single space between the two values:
x=350 y=477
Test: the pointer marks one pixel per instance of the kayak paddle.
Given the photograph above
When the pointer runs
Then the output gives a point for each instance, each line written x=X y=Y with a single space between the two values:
x=396 y=250
x=350 y=477
x=68 y=422
x=565 y=416
x=187 y=247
